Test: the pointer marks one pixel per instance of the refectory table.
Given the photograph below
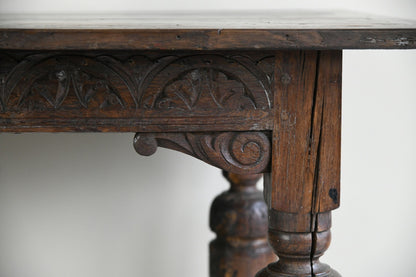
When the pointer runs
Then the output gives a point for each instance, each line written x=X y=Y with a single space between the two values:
x=248 y=92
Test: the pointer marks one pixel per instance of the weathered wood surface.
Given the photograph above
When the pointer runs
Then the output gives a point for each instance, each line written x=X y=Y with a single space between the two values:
x=239 y=219
x=166 y=78
x=135 y=91
x=304 y=183
x=307 y=132
x=271 y=30
x=253 y=19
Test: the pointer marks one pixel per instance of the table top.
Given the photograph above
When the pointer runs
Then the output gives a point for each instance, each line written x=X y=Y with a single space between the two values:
x=206 y=31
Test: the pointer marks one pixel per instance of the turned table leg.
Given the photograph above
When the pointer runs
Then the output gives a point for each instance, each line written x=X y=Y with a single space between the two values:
x=239 y=218
x=299 y=249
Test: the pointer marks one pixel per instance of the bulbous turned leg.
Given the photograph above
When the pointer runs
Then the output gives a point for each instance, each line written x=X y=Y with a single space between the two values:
x=239 y=218
x=299 y=252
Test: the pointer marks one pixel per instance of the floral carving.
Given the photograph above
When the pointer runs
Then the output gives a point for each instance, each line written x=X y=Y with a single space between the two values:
x=38 y=83
x=182 y=83
x=56 y=86
x=205 y=86
x=209 y=82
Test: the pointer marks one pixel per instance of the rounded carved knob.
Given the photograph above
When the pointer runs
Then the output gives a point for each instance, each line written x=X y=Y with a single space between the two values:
x=145 y=144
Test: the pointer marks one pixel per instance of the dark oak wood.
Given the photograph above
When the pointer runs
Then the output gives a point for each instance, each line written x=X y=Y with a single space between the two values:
x=304 y=184
x=246 y=92
x=239 y=218
x=236 y=152
x=307 y=132
x=129 y=91
x=298 y=255
x=274 y=30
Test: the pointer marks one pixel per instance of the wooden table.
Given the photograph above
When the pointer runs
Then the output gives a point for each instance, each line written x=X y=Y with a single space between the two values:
x=250 y=93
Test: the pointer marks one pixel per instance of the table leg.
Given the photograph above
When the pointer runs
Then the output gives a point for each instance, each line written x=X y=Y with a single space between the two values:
x=304 y=183
x=239 y=218
x=299 y=251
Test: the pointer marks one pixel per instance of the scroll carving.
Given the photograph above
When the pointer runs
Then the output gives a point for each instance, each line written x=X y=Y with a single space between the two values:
x=236 y=152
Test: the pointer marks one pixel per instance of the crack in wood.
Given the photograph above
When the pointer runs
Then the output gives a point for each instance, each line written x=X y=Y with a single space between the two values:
x=315 y=195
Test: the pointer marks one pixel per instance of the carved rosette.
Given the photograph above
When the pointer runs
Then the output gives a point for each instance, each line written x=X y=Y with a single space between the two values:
x=236 y=152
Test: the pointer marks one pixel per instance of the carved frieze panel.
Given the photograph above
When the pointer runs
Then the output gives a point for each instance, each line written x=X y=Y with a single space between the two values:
x=135 y=86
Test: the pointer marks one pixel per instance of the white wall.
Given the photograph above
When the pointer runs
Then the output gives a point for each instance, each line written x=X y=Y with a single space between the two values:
x=86 y=205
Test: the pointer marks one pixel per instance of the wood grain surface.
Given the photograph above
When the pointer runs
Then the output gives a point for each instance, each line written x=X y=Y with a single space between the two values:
x=304 y=183
x=269 y=30
x=307 y=132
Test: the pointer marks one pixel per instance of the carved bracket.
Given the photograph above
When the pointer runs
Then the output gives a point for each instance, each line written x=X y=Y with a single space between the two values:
x=236 y=152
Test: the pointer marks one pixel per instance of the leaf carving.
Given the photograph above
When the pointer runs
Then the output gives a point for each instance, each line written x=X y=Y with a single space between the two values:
x=63 y=88
x=208 y=82
x=178 y=83
x=205 y=87
x=55 y=79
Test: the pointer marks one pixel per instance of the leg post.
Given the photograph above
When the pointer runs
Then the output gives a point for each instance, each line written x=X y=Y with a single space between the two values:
x=298 y=249
x=239 y=218
x=304 y=183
